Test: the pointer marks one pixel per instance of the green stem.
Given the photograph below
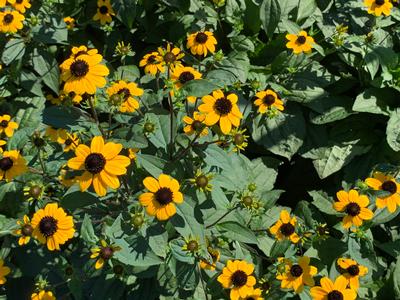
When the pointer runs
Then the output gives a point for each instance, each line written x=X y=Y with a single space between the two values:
x=223 y=216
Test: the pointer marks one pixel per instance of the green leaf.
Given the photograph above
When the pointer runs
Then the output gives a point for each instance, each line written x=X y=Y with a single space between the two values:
x=376 y=101
x=396 y=278
x=47 y=67
x=126 y=11
x=13 y=50
x=279 y=248
x=74 y=198
x=127 y=73
x=322 y=202
x=199 y=87
x=237 y=232
x=87 y=231
x=270 y=14
x=64 y=117
x=393 y=130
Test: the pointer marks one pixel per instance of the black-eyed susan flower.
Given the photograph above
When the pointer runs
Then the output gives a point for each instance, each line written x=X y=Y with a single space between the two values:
x=296 y=275
x=285 y=227
x=70 y=22
x=84 y=74
x=329 y=290
x=11 y=21
x=202 y=181
x=21 y=5
x=254 y=295
x=237 y=276
x=300 y=42
x=103 y=253
x=4 y=271
x=76 y=51
x=239 y=139
x=162 y=196
x=223 y=109
x=52 y=226
x=122 y=93
x=351 y=271
x=387 y=183
x=153 y=63
x=24 y=231
x=101 y=164
x=68 y=140
x=2 y=143
x=7 y=126
x=215 y=257
x=267 y=100
x=123 y=49
x=195 y=125
x=192 y=245
x=378 y=7
x=202 y=42
x=355 y=207
x=43 y=295
x=172 y=56
x=104 y=12
x=182 y=75
x=322 y=230
x=64 y=98
x=12 y=164
x=34 y=190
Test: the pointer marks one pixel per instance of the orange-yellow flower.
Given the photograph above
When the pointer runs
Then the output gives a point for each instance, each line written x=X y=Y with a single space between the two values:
x=300 y=42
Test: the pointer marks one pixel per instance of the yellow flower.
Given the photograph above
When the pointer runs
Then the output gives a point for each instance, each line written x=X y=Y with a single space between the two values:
x=202 y=181
x=254 y=295
x=267 y=100
x=172 y=56
x=300 y=42
x=52 y=226
x=181 y=75
x=195 y=125
x=239 y=139
x=237 y=276
x=101 y=164
x=355 y=206
x=285 y=228
x=11 y=21
x=132 y=153
x=34 y=191
x=378 y=7
x=351 y=271
x=297 y=275
x=84 y=74
x=2 y=143
x=21 y=5
x=162 y=196
x=126 y=92
x=387 y=183
x=201 y=42
x=70 y=141
x=215 y=256
x=25 y=231
x=7 y=126
x=104 y=12
x=152 y=63
x=332 y=290
x=43 y=295
x=223 y=109
x=12 y=164
x=103 y=253
x=70 y=22
x=3 y=272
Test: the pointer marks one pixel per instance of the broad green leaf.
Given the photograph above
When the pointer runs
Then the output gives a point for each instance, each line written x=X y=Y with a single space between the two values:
x=47 y=67
x=87 y=231
x=74 y=198
x=199 y=87
x=270 y=14
x=237 y=232
x=393 y=130
x=322 y=201
x=126 y=11
x=279 y=248
x=376 y=101
x=13 y=50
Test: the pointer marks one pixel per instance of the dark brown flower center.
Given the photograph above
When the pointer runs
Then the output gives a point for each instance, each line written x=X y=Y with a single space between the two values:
x=95 y=162
x=6 y=163
x=202 y=181
x=103 y=9
x=197 y=125
x=19 y=1
x=287 y=229
x=301 y=40
x=238 y=139
x=389 y=186
x=296 y=271
x=164 y=196
x=185 y=77
x=35 y=191
x=48 y=226
x=125 y=92
x=269 y=99
x=192 y=246
x=68 y=142
x=353 y=209
x=4 y=123
x=353 y=270
x=239 y=278
x=169 y=57
x=79 y=68
x=379 y=2
x=201 y=38
x=27 y=230
x=223 y=106
x=335 y=295
x=152 y=59
x=8 y=18
x=106 y=252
